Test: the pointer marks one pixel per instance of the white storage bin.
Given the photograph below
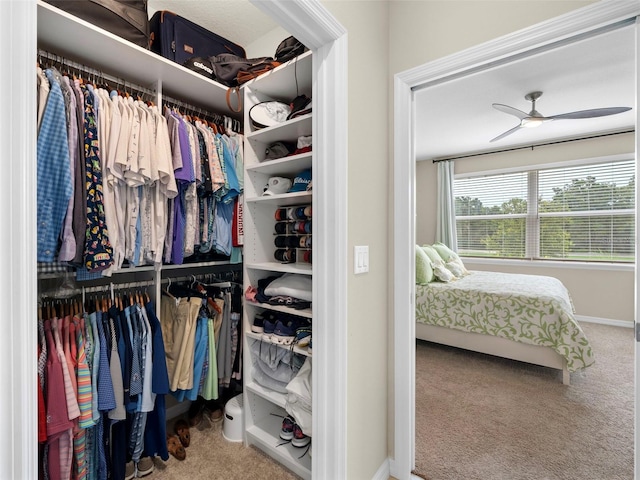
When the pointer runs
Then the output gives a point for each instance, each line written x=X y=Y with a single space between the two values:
x=233 y=426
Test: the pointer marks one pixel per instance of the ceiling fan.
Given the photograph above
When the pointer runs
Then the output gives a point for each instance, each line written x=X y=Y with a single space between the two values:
x=535 y=118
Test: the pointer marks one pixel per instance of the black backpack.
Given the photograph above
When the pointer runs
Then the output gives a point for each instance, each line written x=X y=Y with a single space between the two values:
x=288 y=49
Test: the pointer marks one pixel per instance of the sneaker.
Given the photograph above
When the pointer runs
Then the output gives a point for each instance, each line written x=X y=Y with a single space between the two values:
x=299 y=439
x=286 y=433
x=284 y=333
x=145 y=466
x=258 y=324
x=303 y=334
x=268 y=329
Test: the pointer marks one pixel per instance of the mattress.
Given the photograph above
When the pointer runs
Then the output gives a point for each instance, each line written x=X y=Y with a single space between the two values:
x=531 y=309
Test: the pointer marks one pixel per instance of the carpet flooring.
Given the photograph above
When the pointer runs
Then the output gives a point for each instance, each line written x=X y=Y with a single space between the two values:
x=211 y=457
x=481 y=417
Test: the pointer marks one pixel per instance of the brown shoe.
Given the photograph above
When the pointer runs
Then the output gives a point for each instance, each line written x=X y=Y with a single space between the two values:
x=181 y=428
x=215 y=416
x=175 y=447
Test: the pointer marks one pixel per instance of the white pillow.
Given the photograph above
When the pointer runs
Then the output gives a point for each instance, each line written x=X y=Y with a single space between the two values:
x=442 y=273
x=291 y=285
x=455 y=266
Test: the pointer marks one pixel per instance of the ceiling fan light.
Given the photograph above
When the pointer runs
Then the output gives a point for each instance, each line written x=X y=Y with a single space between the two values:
x=531 y=122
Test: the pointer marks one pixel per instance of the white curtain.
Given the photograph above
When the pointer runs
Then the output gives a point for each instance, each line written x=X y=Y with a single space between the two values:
x=446 y=221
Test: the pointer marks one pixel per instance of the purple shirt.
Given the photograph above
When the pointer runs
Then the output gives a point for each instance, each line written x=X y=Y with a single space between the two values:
x=184 y=173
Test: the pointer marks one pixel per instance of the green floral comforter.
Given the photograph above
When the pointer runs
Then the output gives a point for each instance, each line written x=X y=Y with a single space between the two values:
x=530 y=309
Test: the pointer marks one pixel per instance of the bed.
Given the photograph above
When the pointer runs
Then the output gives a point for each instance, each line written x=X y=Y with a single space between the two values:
x=521 y=317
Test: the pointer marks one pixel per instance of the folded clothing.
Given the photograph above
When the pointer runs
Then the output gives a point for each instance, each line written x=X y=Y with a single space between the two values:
x=290 y=285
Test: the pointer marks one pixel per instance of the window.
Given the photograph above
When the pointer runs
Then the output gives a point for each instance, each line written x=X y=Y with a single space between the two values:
x=581 y=213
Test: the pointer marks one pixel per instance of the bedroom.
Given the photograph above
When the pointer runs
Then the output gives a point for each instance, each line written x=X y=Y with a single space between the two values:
x=602 y=293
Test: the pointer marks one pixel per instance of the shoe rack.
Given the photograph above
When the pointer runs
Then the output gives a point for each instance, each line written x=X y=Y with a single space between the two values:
x=270 y=251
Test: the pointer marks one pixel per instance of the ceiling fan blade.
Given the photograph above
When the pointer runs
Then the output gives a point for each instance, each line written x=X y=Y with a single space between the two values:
x=595 y=112
x=510 y=110
x=502 y=135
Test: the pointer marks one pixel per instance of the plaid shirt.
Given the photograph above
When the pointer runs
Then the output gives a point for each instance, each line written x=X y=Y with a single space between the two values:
x=54 y=176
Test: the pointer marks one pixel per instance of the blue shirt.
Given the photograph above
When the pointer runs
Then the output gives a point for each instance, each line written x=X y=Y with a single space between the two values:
x=54 y=174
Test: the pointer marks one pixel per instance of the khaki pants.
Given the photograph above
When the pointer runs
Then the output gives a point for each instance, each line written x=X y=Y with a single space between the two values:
x=178 y=331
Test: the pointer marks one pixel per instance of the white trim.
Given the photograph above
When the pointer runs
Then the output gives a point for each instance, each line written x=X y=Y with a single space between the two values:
x=604 y=321
x=330 y=274
x=403 y=460
x=600 y=266
x=383 y=471
x=18 y=292
x=563 y=27
x=314 y=26
x=636 y=435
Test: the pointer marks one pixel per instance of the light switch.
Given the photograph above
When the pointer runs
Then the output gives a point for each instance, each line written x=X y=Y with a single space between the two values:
x=360 y=259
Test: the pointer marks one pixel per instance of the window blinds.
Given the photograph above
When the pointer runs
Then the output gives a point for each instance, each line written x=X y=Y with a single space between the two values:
x=583 y=213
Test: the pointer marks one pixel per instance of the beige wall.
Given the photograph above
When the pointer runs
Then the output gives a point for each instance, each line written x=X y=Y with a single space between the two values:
x=367 y=24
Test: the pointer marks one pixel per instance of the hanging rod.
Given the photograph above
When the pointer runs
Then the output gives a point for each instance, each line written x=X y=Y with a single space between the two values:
x=109 y=287
x=97 y=74
x=193 y=277
x=527 y=147
x=127 y=86
x=119 y=286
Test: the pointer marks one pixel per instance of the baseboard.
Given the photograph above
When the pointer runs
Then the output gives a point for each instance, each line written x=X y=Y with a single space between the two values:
x=604 y=321
x=178 y=409
x=383 y=472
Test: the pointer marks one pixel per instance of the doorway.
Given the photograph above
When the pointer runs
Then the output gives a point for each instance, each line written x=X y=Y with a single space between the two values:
x=318 y=30
x=526 y=41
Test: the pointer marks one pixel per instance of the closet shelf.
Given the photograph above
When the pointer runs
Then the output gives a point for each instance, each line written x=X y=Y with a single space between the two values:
x=196 y=265
x=305 y=313
x=266 y=433
x=286 y=131
x=283 y=200
x=283 y=166
x=292 y=76
x=298 y=350
x=64 y=34
x=279 y=399
x=301 y=268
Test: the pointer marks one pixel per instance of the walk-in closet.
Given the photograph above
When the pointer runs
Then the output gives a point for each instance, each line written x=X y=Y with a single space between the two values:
x=174 y=276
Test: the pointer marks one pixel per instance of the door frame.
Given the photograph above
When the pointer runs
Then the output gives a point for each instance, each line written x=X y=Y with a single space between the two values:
x=315 y=26
x=545 y=34
x=312 y=24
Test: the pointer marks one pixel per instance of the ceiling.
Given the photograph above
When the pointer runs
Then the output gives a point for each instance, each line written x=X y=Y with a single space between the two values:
x=457 y=118
x=236 y=20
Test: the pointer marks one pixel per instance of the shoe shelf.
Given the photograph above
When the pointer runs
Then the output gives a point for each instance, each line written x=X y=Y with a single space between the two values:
x=266 y=435
x=277 y=398
x=258 y=337
x=305 y=312
x=265 y=408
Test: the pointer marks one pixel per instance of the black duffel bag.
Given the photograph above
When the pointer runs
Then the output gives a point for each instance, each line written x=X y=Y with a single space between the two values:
x=233 y=70
x=127 y=19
